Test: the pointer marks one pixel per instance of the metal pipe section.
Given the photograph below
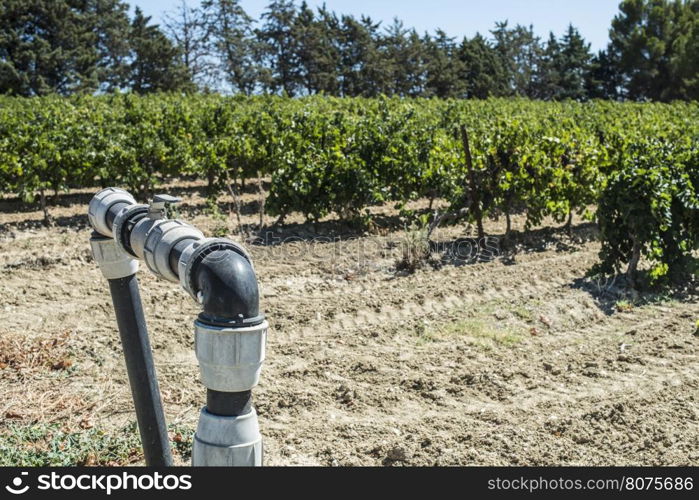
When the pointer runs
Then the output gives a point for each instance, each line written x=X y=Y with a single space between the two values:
x=230 y=332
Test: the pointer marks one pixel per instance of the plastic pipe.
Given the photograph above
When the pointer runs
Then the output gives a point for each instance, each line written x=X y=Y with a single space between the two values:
x=141 y=370
x=120 y=270
x=230 y=332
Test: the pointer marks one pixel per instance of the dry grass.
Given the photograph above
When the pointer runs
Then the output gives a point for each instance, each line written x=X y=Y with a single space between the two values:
x=26 y=355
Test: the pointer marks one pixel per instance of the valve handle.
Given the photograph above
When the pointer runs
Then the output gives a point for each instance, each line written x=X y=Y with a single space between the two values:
x=160 y=204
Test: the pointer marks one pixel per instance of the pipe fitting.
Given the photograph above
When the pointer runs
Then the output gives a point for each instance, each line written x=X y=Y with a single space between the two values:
x=139 y=234
x=101 y=203
x=196 y=253
x=160 y=241
x=230 y=359
x=230 y=333
x=227 y=441
x=112 y=261
x=120 y=226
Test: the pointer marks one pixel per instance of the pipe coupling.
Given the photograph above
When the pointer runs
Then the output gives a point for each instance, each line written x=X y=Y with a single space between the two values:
x=227 y=441
x=230 y=359
x=112 y=261
x=160 y=241
x=119 y=226
x=101 y=203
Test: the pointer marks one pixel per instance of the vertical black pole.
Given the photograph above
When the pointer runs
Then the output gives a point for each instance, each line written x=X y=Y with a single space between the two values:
x=141 y=370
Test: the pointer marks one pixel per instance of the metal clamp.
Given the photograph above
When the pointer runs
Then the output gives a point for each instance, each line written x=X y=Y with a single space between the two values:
x=101 y=203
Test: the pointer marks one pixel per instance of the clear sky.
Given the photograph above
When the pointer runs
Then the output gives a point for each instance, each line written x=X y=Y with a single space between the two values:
x=456 y=17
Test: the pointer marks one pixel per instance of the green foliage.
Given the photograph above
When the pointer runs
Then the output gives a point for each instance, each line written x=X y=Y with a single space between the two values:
x=82 y=46
x=86 y=46
x=654 y=46
x=47 y=46
x=52 y=445
x=154 y=64
x=41 y=445
x=650 y=207
x=338 y=155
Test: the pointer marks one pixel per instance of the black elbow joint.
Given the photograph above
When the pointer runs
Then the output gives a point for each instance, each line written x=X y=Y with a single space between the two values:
x=228 y=289
x=220 y=275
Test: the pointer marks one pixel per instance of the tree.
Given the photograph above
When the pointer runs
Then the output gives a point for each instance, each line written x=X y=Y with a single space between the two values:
x=154 y=62
x=443 y=66
x=641 y=42
x=234 y=43
x=549 y=71
x=55 y=45
x=405 y=56
x=483 y=73
x=362 y=66
x=109 y=23
x=573 y=64
x=564 y=67
x=603 y=80
x=521 y=52
x=318 y=50
x=280 y=47
x=684 y=61
x=189 y=29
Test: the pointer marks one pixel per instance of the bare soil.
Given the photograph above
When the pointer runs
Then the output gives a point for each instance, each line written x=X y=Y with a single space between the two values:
x=481 y=357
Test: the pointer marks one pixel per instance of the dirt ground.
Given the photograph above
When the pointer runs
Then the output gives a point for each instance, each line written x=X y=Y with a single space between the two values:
x=480 y=358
